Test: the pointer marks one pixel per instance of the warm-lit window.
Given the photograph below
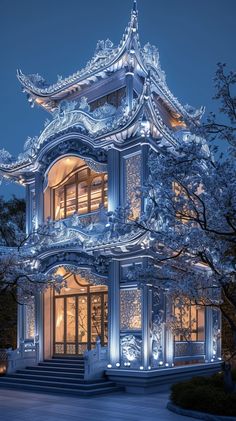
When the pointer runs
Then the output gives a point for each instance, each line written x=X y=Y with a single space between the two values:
x=189 y=322
x=81 y=191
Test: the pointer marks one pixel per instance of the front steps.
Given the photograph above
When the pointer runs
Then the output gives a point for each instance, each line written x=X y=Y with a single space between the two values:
x=58 y=376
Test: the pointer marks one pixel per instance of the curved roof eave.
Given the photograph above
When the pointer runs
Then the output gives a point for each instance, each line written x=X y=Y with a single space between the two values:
x=95 y=66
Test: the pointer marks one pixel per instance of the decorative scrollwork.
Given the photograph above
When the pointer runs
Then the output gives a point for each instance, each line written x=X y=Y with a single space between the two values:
x=131 y=348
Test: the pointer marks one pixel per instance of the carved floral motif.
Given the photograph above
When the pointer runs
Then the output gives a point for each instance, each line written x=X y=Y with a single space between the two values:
x=131 y=348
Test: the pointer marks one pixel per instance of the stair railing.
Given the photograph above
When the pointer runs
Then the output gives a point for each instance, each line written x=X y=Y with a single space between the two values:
x=95 y=361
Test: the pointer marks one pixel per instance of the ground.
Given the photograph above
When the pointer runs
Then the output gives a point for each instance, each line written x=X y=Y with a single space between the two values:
x=24 y=406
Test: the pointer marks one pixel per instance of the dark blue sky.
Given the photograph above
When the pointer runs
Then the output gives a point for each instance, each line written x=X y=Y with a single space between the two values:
x=57 y=37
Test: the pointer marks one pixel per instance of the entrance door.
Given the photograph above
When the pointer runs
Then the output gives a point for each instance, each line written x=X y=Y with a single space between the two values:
x=79 y=318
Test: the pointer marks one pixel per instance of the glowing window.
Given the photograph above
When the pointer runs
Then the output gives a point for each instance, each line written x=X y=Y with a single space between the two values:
x=76 y=188
x=189 y=321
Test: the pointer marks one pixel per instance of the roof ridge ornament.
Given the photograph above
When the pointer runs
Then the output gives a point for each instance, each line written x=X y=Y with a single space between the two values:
x=135 y=7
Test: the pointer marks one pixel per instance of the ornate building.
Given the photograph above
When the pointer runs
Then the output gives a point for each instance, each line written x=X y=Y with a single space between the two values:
x=89 y=161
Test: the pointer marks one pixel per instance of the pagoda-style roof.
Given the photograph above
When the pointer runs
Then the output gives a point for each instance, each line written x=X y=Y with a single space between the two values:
x=107 y=60
x=154 y=113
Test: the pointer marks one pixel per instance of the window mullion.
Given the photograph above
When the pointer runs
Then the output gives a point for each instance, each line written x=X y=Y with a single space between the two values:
x=76 y=191
x=65 y=201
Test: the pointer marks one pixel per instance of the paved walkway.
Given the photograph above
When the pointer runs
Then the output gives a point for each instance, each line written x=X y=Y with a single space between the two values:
x=26 y=406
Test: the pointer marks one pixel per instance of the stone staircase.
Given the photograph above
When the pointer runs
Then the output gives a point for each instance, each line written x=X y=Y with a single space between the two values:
x=58 y=376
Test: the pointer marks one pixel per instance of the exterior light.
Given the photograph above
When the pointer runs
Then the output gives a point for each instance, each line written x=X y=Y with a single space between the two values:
x=167 y=364
x=161 y=363
x=117 y=364
x=219 y=358
x=212 y=360
x=141 y=367
x=149 y=367
x=109 y=366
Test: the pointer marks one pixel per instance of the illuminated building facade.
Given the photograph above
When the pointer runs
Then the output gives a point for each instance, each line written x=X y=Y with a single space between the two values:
x=90 y=160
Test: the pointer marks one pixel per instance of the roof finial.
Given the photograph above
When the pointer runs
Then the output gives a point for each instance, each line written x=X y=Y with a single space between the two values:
x=135 y=7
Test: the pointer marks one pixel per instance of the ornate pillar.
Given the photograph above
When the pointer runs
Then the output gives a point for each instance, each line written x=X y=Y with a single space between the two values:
x=113 y=179
x=39 y=218
x=39 y=205
x=146 y=326
x=20 y=324
x=208 y=334
x=39 y=325
x=212 y=334
x=129 y=85
x=169 y=339
x=28 y=209
x=114 y=312
x=144 y=172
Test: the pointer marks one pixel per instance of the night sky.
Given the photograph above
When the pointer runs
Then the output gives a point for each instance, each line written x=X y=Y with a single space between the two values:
x=58 y=37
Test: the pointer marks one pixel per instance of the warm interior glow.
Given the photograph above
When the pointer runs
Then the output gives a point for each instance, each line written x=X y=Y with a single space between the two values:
x=81 y=315
x=74 y=187
x=190 y=322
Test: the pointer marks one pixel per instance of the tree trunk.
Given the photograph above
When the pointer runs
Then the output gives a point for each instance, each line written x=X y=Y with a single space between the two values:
x=229 y=385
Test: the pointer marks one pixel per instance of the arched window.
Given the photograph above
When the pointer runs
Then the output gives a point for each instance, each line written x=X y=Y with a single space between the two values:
x=79 y=189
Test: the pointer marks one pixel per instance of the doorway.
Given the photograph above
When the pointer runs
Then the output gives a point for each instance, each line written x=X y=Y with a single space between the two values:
x=80 y=316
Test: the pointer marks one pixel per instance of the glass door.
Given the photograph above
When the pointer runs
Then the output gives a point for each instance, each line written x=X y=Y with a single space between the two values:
x=79 y=320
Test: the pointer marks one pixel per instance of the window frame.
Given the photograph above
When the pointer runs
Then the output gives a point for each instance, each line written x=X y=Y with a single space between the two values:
x=89 y=177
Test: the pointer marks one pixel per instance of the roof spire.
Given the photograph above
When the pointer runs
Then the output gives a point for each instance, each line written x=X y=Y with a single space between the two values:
x=135 y=7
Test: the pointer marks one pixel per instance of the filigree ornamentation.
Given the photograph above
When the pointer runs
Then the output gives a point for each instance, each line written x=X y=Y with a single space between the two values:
x=5 y=157
x=30 y=146
x=133 y=183
x=63 y=258
x=189 y=349
x=195 y=113
x=74 y=147
x=70 y=119
x=84 y=105
x=151 y=54
x=130 y=309
x=98 y=167
x=216 y=332
x=30 y=319
x=131 y=349
x=37 y=80
x=103 y=48
x=157 y=324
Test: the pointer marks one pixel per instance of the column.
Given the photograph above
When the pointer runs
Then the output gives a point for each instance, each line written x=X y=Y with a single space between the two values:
x=169 y=339
x=114 y=312
x=39 y=211
x=113 y=179
x=146 y=326
x=144 y=171
x=20 y=324
x=129 y=86
x=39 y=321
x=208 y=334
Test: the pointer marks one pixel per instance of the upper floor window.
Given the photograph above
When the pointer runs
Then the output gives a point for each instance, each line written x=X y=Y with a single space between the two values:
x=74 y=187
x=114 y=98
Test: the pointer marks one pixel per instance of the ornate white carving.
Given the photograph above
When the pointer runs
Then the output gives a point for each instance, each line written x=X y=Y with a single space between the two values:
x=131 y=348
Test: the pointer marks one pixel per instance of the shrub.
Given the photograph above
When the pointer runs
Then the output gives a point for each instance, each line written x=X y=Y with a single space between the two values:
x=205 y=394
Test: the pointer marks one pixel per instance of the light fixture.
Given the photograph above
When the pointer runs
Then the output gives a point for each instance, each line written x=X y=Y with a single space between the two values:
x=117 y=364
x=141 y=367
x=109 y=366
